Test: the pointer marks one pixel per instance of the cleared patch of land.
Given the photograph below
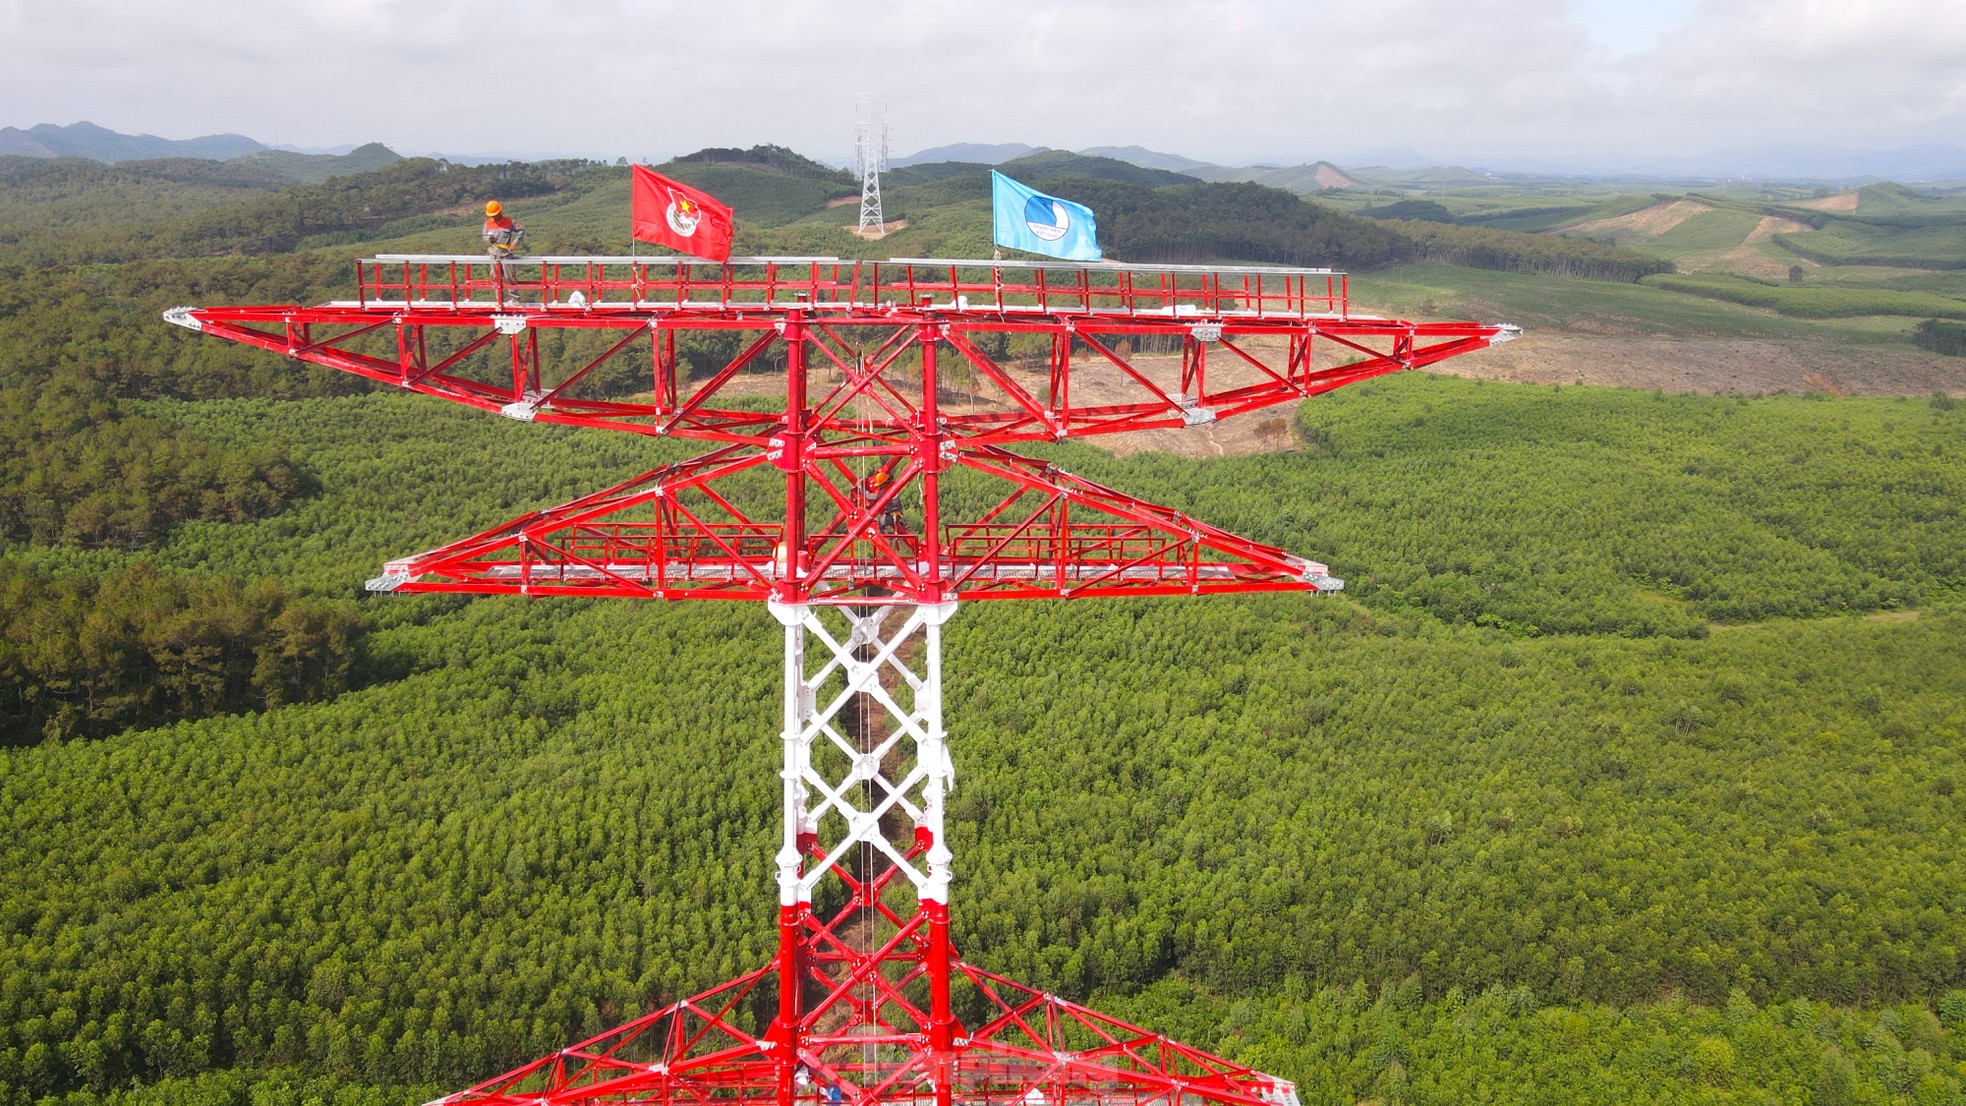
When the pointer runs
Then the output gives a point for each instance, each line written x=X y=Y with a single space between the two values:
x=1647 y=222
x=1892 y=616
x=1846 y=201
x=886 y=228
x=1771 y=225
x=1330 y=176
x=1710 y=365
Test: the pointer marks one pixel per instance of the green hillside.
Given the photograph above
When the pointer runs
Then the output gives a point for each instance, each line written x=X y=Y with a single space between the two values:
x=770 y=185
x=1060 y=163
x=319 y=167
x=1892 y=200
x=1628 y=766
x=47 y=204
x=1709 y=230
x=1846 y=242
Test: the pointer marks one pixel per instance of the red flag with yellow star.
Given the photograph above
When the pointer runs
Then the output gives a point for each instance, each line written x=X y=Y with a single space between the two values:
x=672 y=214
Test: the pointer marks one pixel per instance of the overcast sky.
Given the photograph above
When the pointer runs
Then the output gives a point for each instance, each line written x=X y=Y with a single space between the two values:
x=1598 y=84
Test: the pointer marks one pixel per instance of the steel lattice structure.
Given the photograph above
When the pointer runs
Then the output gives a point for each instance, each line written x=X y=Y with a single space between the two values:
x=870 y=159
x=861 y=495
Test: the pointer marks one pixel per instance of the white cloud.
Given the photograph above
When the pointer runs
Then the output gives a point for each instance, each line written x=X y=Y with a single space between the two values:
x=1483 y=81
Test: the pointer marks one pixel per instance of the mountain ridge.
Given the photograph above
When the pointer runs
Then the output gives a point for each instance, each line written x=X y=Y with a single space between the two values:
x=980 y=153
x=86 y=139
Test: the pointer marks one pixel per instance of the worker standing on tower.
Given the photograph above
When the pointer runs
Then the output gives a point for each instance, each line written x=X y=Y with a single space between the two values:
x=889 y=521
x=502 y=237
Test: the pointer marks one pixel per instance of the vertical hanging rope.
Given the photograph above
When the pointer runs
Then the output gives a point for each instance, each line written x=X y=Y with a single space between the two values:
x=868 y=941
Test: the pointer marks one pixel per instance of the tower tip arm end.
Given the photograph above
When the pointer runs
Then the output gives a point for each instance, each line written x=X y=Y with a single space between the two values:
x=182 y=316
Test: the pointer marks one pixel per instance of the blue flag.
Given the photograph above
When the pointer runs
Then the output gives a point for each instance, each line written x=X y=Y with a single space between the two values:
x=1028 y=220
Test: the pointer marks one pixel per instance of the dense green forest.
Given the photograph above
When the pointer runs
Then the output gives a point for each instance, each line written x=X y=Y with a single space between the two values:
x=1941 y=336
x=1629 y=766
x=521 y=832
x=87 y=655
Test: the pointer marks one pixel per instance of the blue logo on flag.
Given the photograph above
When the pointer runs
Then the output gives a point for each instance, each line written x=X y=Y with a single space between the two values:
x=1025 y=219
x=1047 y=218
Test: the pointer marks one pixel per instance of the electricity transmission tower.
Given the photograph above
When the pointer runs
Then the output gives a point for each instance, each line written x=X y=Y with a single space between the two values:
x=829 y=510
x=870 y=157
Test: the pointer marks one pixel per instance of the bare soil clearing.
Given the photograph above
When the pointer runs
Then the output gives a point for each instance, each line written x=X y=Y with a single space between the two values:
x=1330 y=176
x=1846 y=201
x=1772 y=225
x=1647 y=222
x=888 y=227
x=1713 y=366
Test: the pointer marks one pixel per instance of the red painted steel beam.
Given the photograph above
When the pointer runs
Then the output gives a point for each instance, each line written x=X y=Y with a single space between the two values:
x=866 y=353
x=698 y=1050
x=1008 y=410
x=670 y=533
x=415 y=299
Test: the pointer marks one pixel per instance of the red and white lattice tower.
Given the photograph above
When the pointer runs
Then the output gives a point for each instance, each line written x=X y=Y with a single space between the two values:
x=881 y=368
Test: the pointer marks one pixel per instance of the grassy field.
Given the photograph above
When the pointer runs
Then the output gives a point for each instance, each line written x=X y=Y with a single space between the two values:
x=1709 y=230
x=1841 y=301
x=1597 y=308
x=1846 y=242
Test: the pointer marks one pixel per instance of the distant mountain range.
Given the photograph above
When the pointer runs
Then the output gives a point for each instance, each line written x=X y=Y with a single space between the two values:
x=1930 y=162
x=1315 y=177
x=972 y=152
x=87 y=140
x=102 y=144
x=1148 y=159
x=1914 y=163
x=1296 y=178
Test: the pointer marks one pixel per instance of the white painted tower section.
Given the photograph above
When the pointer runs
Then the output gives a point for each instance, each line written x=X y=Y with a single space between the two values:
x=908 y=765
x=870 y=157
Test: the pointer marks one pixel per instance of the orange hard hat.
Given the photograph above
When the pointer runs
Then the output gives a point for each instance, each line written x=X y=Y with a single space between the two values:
x=494 y=207
x=879 y=478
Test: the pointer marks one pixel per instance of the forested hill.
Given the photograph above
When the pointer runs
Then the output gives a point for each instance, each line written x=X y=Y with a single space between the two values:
x=202 y=209
x=1629 y=767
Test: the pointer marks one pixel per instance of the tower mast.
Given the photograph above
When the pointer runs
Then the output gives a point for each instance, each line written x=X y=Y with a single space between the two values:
x=870 y=157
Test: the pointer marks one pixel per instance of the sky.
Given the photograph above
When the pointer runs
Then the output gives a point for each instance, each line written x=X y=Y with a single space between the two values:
x=1584 y=85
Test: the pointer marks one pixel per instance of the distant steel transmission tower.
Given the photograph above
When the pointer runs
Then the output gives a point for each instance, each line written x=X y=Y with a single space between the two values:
x=870 y=157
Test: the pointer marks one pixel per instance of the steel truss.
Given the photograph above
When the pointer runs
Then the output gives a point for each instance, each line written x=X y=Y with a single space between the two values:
x=868 y=995
x=870 y=157
x=860 y=502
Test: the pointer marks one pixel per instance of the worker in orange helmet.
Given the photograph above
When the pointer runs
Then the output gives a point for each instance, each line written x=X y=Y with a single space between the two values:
x=502 y=238
x=875 y=485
